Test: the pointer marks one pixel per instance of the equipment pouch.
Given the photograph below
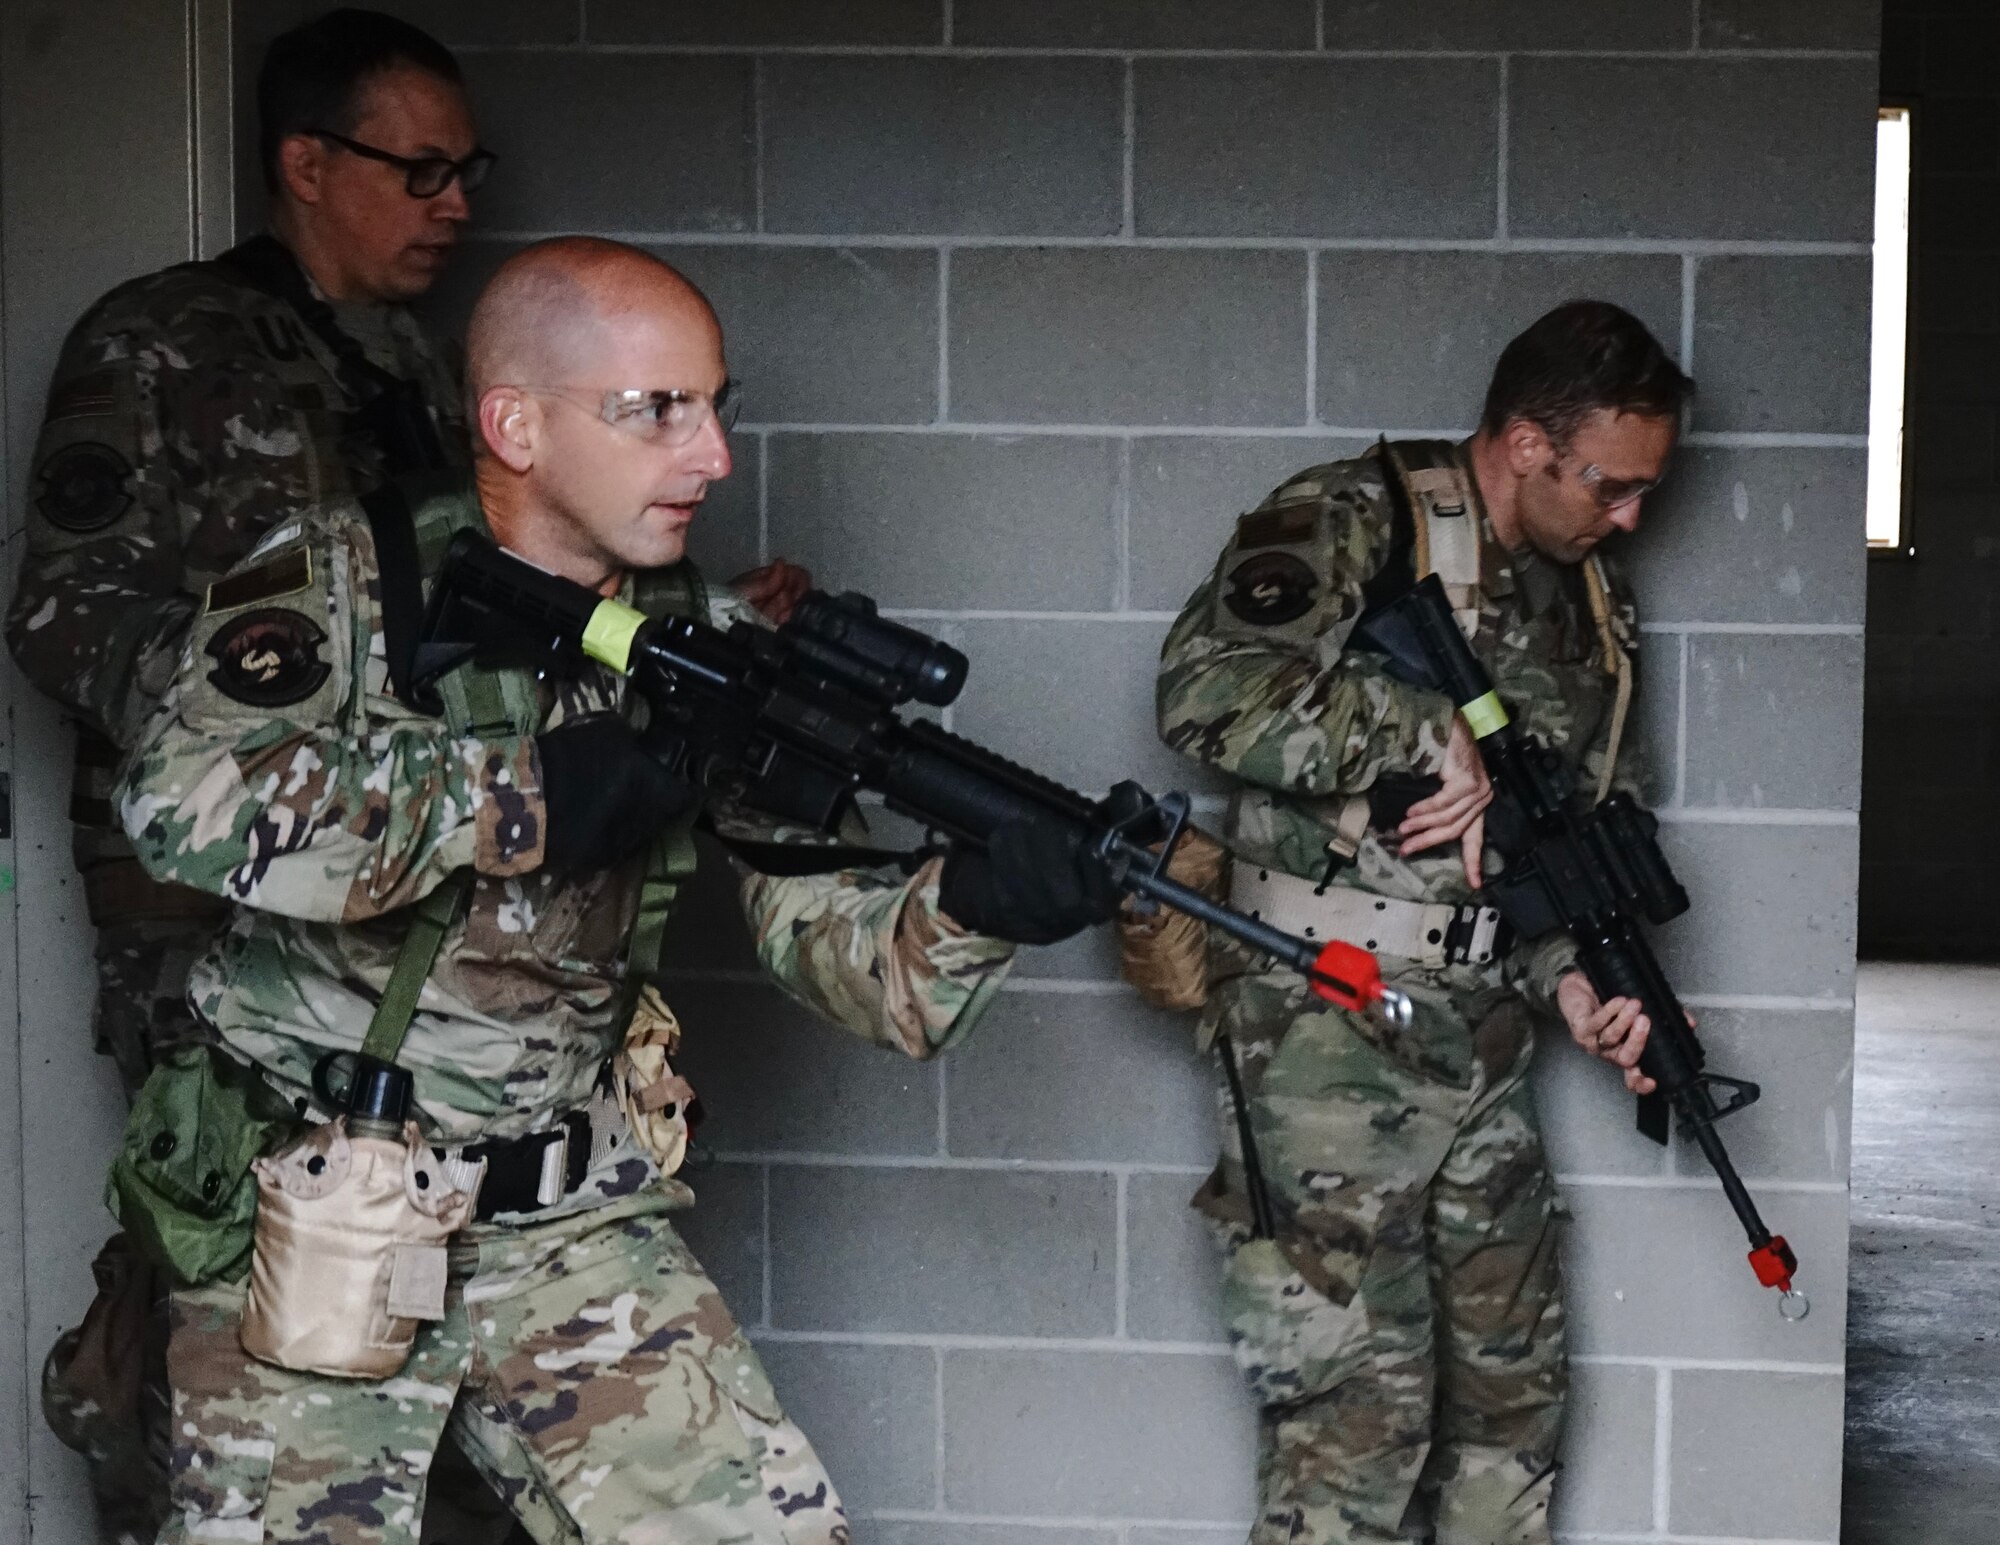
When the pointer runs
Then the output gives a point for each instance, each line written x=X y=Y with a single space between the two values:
x=657 y=1103
x=181 y=1186
x=350 y=1251
x=1165 y=955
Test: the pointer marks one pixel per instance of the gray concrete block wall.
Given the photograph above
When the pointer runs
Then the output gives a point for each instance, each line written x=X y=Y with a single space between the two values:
x=1030 y=302
x=1927 y=887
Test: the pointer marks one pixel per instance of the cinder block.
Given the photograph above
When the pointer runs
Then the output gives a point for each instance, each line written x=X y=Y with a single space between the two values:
x=1764 y=535
x=1902 y=55
x=774 y=1077
x=1408 y=340
x=1960 y=291
x=986 y=147
x=1955 y=50
x=1661 y=1273
x=1962 y=218
x=1051 y=336
x=1132 y=24
x=1782 y=344
x=1266 y=147
x=1755 y=1455
x=1073 y=700
x=824 y=334
x=1187 y=492
x=1771 y=721
x=458 y=22
x=1606 y=1485
x=870 y=1411
x=1167 y=1435
x=875 y=1532
x=1650 y=755
x=1961 y=138
x=1475 y=25
x=1804 y=1063
x=1586 y=1116
x=1031 y=1083
x=707 y=932
x=1753 y=149
x=725 y=1229
x=551 y=117
x=969 y=1252
x=1173 y=1266
x=791 y=23
x=1031 y=522
x=1773 y=909
x=1790 y=24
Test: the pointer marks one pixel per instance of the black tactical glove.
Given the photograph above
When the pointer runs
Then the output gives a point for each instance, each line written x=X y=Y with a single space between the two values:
x=605 y=794
x=1033 y=883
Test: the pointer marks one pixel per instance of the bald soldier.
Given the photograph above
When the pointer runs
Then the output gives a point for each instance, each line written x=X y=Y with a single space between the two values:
x=579 y=1352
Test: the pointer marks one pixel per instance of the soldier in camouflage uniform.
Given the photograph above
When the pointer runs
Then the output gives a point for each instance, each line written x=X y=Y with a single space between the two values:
x=1403 y=1333
x=584 y=1361
x=192 y=411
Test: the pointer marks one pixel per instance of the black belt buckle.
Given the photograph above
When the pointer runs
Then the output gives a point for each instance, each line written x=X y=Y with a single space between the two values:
x=513 y=1179
x=1461 y=936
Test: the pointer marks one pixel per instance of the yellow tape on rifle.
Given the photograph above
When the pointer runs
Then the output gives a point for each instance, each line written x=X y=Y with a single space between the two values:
x=608 y=634
x=1484 y=715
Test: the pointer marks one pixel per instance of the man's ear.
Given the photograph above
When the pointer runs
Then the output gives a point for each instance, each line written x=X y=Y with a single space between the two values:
x=510 y=423
x=1529 y=448
x=302 y=167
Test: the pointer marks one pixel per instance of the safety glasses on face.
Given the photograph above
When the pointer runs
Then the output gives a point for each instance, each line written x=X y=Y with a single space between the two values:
x=662 y=417
x=423 y=176
x=1611 y=492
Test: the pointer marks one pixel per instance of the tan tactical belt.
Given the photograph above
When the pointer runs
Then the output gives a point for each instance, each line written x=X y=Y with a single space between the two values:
x=1432 y=936
x=120 y=891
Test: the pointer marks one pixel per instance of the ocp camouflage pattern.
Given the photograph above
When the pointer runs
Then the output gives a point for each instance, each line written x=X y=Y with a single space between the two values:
x=1403 y=1335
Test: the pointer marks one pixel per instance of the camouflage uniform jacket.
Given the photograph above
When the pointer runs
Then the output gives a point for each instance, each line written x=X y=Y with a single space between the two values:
x=1257 y=680
x=190 y=413
x=281 y=773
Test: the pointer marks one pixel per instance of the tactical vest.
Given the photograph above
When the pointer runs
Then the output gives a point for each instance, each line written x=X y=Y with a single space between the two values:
x=413 y=521
x=1437 y=492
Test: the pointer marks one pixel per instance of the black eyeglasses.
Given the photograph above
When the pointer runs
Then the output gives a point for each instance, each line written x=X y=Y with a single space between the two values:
x=423 y=176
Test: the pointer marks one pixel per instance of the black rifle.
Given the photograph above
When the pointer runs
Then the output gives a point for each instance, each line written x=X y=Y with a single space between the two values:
x=1592 y=871
x=793 y=722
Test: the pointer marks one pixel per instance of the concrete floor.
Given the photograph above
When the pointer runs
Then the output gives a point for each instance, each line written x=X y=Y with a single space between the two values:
x=1923 y=1338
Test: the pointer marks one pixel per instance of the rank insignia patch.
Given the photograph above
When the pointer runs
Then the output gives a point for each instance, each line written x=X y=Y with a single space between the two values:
x=1270 y=589
x=84 y=487
x=269 y=658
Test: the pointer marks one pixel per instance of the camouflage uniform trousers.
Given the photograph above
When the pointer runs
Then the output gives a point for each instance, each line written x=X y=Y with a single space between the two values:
x=1404 y=1337
x=587 y=1367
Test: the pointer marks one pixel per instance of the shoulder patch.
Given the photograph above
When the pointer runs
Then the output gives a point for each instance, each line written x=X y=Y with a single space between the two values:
x=1286 y=526
x=84 y=486
x=269 y=657
x=90 y=395
x=1270 y=589
x=287 y=574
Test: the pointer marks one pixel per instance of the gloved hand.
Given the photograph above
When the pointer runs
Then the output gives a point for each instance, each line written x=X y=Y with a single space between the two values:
x=1033 y=883
x=605 y=794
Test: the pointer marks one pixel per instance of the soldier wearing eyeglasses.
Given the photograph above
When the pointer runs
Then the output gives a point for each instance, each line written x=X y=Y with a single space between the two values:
x=1403 y=1333
x=192 y=411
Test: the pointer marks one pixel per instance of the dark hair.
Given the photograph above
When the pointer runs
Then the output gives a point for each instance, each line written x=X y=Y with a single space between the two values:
x=1584 y=355
x=312 y=76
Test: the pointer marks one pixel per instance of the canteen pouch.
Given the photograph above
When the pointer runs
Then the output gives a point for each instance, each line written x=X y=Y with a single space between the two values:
x=181 y=1185
x=656 y=1102
x=350 y=1251
x=1165 y=954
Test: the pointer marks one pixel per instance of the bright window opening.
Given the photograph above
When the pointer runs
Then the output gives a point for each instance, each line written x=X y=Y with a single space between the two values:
x=1886 y=526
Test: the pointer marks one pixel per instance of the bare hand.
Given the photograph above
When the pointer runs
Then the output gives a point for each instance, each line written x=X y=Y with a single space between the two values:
x=775 y=588
x=1457 y=809
x=1615 y=1031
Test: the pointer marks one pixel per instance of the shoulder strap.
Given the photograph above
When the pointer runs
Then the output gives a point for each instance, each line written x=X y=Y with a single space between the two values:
x=1616 y=662
x=402 y=582
x=1444 y=510
x=430 y=920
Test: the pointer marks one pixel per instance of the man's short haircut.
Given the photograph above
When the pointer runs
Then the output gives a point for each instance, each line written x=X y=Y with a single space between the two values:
x=313 y=76
x=1584 y=355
